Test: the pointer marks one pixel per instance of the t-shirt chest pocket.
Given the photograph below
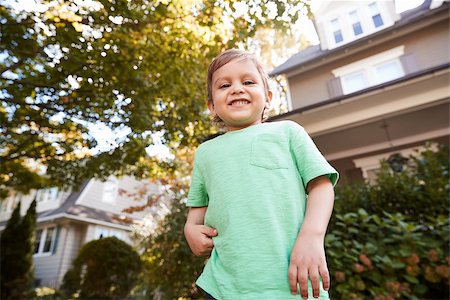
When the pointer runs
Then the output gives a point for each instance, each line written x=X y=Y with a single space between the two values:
x=269 y=152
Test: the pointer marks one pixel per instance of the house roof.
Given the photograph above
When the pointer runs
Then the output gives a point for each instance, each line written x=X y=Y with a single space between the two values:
x=314 y=53
x=70 y=210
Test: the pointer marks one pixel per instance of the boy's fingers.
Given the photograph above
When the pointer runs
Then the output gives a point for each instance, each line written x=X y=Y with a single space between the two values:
x=209 y=231
x=315 y=282
x=303 y=282
x=292 y=276
x=325 y=277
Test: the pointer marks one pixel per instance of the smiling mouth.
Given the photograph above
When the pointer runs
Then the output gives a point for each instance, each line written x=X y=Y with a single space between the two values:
x=239 y=102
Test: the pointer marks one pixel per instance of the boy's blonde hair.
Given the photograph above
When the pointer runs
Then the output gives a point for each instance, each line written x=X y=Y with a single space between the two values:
x=228 y=56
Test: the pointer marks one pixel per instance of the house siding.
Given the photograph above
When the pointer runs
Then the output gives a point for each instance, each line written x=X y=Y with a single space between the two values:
x=50 y=269
x=93 y=195
x=428 y=47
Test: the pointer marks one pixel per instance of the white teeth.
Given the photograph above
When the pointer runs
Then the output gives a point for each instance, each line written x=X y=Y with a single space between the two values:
x=239 y=102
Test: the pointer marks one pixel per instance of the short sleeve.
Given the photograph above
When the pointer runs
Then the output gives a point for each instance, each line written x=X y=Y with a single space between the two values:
x=310 y=162
x=197 y=195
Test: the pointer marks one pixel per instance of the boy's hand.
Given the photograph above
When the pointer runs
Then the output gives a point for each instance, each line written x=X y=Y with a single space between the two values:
x=308 y=261
x=199 y=238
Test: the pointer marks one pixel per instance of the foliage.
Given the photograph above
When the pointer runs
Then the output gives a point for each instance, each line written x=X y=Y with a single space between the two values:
x=46 y=293
x=107 y=268
x=418 y=192
x=170 y=268
x=390 y=239
x=16 y=254
x=388 y=257
x=135 y=67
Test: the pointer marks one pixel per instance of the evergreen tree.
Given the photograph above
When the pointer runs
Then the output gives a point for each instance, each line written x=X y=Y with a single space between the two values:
x=16 y=256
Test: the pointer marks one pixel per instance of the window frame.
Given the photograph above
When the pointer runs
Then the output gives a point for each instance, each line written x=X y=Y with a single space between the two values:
x=336 y=28
x=375 y=14
x=107 y=192
x=355 y=20
x=43 y=239
x=48 y=195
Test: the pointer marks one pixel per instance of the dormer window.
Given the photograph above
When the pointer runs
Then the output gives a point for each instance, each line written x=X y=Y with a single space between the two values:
x=376 y=15
x=48 y=195
x=356 y=23
x=337 y=32
x=110 y=190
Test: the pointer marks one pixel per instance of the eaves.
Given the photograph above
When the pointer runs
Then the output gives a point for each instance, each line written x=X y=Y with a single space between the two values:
x=382 y=86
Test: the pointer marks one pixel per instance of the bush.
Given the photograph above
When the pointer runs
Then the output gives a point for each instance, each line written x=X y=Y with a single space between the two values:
x=419 y=191
x=388 y=257
x=107 y=268
x=390 y=239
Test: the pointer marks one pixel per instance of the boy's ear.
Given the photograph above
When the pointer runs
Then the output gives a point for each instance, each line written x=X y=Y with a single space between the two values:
x=268 y=99
x=211 y=108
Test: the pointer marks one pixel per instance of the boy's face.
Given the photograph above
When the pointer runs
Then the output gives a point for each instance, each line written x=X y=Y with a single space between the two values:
x=238 y=94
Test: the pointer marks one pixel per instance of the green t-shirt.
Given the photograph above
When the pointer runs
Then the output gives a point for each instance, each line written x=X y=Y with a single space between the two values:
x=253 y=181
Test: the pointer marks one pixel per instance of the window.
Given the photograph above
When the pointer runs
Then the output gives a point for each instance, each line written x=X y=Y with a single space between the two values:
x=356 y=23
x=9 y=204
x=110 y=190
x=376 y=16
x=45 y=240
x=337 y=32
x=379 y=68
x=353 y=82
x=48 y=195
x=102 y=232
x=388 y=71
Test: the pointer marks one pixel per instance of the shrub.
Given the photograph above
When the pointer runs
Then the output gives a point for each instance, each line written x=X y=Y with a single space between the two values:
x=107 y=268
x=419 y=191
x=390 y=239
x=388 y=257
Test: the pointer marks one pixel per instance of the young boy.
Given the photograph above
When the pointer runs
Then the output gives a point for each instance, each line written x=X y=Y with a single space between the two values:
x=261 y=195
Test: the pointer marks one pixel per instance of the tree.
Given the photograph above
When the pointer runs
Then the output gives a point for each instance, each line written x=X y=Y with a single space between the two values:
x=16 y=256
x=170 y=267
x=107 y=268
x=136 y=67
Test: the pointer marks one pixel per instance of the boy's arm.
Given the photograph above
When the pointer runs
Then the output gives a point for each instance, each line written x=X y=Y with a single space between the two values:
x=308 y=254
x=198 y=235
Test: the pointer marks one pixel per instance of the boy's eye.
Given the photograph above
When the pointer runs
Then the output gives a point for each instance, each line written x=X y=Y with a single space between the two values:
x=248 y=82
x=224 y=85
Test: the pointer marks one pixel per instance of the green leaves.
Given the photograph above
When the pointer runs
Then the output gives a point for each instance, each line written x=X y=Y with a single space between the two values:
x=137 y=67
x=396 y=254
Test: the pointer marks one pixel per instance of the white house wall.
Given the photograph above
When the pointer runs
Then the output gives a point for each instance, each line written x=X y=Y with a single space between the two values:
x=93 y=194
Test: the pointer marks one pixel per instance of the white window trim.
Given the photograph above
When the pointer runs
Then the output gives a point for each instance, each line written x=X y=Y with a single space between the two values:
x=369 y=61
x=373 y=79
x=42 y=241
x=105 y=195
x=330 y=31
x=45 y=195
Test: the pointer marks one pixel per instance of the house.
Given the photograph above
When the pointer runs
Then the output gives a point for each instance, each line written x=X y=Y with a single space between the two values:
x=66 y=220
x=377 y=85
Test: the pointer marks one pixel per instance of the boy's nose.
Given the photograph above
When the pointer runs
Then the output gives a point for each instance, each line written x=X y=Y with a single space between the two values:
x=237 y=89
